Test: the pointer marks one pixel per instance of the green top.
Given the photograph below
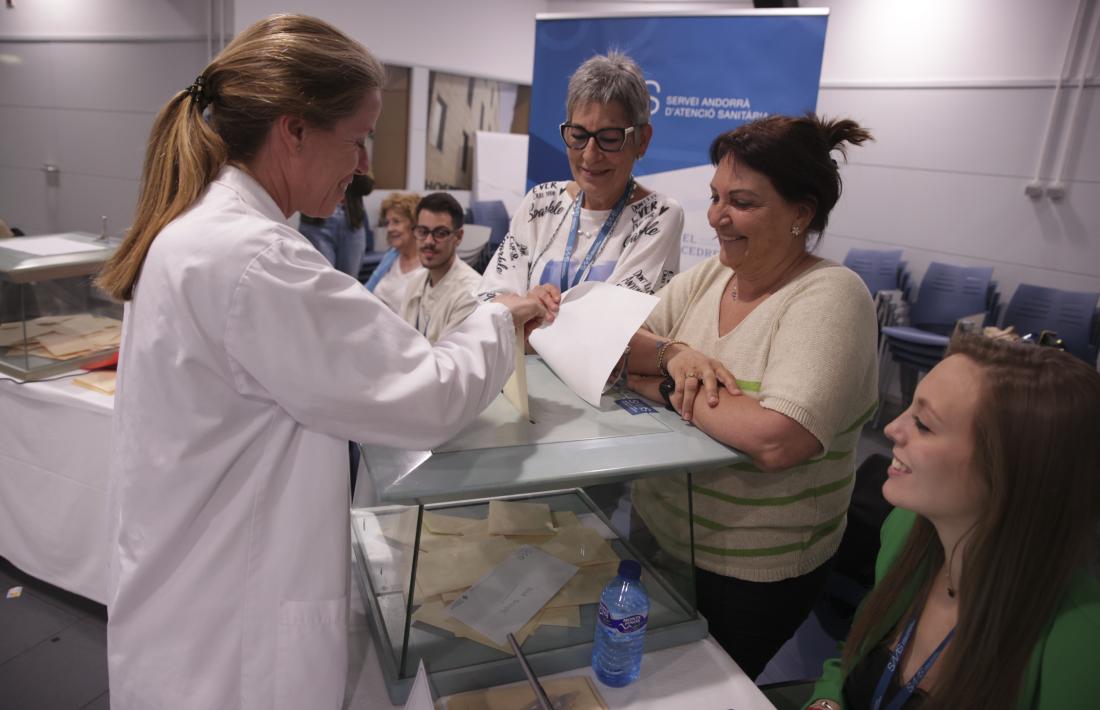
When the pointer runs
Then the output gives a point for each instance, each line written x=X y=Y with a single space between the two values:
x=1064 y=671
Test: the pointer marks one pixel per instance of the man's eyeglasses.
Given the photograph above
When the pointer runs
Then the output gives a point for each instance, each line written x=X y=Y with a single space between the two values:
x=438 y=234
x=609 y=140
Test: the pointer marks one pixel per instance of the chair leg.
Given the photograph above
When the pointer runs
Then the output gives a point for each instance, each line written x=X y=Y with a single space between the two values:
x=907 y=377
x=885 y=373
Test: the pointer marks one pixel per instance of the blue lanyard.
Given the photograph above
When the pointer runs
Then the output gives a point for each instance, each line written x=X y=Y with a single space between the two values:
x=892 y=668
x=597 y=246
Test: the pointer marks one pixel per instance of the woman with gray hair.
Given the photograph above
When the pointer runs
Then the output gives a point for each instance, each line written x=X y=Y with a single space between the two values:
x=602 y=225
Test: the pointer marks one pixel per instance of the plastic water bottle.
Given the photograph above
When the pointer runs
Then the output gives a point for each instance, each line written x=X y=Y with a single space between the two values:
x=620 y=627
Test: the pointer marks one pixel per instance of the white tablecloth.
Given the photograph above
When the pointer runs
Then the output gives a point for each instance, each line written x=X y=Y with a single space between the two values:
x=54 y=453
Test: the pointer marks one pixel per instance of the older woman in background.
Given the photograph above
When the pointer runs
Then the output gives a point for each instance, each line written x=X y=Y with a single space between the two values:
x=983 y=596
x=401 y=264
x=602 y=225
x=796 y=335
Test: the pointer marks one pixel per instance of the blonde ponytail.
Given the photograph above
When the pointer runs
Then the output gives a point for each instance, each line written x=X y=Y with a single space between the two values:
x=183 y=156
x=284 y=65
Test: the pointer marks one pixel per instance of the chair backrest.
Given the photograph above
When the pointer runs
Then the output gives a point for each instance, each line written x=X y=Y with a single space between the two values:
x=879 y=269
x=1034 y=309
x=947 y=293
x=492 y=214
x=474 y=239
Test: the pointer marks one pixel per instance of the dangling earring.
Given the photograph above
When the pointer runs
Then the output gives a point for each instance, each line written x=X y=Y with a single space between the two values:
x=795 y=230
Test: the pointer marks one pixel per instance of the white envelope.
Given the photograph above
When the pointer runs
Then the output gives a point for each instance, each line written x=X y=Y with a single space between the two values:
x=504 y=600
x=593 y=327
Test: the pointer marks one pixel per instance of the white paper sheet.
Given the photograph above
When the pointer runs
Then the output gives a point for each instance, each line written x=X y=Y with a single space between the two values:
x=588 y=337
x=515 y=389
x=420 y=697
x=49 y=246
x=509 y=596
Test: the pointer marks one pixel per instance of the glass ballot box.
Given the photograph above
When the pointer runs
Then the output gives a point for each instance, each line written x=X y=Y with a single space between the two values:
x=52 y=318
x=563 y=483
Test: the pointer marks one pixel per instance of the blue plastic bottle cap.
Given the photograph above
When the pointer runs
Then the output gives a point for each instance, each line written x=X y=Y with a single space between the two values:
x=630 y=569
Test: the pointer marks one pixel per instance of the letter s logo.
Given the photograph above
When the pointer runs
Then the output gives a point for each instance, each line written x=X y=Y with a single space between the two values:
x=654 y=102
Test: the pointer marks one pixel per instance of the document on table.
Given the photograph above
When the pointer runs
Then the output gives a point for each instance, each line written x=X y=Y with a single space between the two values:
x=512 y=593
x=593 y=327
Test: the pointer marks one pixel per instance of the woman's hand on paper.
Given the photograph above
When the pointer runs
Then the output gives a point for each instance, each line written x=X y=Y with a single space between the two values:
x=550 y=297
x=527 y=311
x=695 y=373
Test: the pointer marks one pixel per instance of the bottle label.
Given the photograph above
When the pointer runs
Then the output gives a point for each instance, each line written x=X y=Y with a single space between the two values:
x=625 y=625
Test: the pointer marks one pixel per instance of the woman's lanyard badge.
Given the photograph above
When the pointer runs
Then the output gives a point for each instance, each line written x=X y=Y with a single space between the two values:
x=892 y=668
x=597 y=246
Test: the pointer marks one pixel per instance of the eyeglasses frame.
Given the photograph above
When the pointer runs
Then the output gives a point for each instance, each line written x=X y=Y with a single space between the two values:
x=432 y=233
x=627 y=132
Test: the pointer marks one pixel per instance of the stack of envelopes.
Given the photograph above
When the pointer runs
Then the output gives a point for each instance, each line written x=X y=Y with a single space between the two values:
x=61 y=337
x=456 y=552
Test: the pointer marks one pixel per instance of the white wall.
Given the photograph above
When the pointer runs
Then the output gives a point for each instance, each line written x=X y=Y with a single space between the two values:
x=494 y=39
x=957 y=95
x=104 y=18
x=82 y=83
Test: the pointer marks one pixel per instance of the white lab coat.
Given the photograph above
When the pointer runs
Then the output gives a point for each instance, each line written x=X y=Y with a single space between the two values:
x=247 y=364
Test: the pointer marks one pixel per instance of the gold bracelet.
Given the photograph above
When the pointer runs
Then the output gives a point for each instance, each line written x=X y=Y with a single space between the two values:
x=662 y=351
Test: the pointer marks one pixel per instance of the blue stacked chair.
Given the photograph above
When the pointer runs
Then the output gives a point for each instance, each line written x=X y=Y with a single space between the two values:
x=1070 y=314
x=492 y=214
x=946 y=294
x=881 y=270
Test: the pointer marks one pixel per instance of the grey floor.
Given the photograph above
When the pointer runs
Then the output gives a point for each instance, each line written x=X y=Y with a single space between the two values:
x=53 y=647
x=53 y=644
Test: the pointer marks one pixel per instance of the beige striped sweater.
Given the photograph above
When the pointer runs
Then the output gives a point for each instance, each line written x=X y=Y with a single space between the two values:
x=808 y=351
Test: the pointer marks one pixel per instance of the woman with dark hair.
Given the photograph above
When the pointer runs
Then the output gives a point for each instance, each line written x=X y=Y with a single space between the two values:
x=983 y=598
x=796 y=334
x=342 y=238
x=247 y=363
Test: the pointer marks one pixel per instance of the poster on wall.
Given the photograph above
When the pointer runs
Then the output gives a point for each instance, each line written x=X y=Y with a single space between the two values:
x=459 y=107
x=706 y=74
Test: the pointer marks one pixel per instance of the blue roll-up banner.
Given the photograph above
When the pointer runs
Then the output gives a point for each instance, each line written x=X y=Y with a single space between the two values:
x=707 y=74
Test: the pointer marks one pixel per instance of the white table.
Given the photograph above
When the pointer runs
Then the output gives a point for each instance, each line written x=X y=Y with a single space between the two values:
x=54 y=454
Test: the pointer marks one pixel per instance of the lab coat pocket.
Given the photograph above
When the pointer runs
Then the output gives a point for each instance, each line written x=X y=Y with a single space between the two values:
x=311 y=666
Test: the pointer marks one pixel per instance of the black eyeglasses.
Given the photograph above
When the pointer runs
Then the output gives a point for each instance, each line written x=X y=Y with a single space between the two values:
x=438 y=234
x=609 y=140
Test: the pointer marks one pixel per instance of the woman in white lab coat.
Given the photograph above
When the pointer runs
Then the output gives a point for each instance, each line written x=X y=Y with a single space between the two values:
x=247 y=363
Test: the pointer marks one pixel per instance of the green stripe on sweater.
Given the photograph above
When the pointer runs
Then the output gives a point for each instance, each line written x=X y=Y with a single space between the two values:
x=817 y=534
x=749 y=467
x=863 y=419
x=777 y=500
x=705 y=522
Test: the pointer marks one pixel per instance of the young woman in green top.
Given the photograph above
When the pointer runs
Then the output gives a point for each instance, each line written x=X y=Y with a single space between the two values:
x=983 y=599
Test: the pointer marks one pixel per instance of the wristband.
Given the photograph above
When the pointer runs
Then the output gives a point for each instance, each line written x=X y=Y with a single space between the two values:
x=666 y=388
